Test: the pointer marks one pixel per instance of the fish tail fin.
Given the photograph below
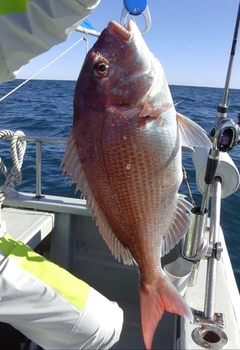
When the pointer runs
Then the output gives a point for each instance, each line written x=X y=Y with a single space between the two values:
x=154 y=300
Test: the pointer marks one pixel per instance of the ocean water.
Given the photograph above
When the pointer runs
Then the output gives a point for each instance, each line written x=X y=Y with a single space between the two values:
x=44 y=108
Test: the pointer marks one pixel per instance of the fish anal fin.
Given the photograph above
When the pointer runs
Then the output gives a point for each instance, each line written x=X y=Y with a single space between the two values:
x=192 y=135
x=179 y=225
x=154 y=300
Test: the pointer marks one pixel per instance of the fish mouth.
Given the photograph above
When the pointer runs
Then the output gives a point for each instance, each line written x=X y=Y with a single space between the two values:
x=125 y=33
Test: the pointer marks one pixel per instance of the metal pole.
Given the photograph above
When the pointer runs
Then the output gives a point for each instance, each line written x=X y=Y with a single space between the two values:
x=38 y=169
x=36 y=139
x=87 y=31
x=211 y=280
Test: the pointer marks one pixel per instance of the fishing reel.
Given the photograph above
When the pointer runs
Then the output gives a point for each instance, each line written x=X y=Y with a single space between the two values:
x=226 y=132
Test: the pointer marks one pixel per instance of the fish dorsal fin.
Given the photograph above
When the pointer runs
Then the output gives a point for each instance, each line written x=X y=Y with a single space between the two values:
x=192 y=135
x=73 y=168
x=179 y=225
x=120 y=252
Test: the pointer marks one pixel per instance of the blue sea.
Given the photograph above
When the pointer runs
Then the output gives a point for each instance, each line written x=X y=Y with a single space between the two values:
x=44 y=108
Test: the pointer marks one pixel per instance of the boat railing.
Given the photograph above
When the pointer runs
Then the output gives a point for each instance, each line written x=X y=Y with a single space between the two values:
x=38 y=140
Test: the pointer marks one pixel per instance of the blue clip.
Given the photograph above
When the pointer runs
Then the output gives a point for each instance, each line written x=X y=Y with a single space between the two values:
x=135 y=8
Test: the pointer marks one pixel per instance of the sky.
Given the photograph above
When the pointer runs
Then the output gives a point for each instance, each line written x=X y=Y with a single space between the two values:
x=191 y=38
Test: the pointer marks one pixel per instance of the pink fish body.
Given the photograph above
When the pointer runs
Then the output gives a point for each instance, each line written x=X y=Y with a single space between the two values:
x=124 y=153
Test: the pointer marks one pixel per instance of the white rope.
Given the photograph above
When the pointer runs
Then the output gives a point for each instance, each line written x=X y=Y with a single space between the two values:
x=54 y=60
x=14 y=177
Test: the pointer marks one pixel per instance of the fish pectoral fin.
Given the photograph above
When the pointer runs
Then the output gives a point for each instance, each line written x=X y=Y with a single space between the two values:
x=179 y=225
x=154 y=111
x=192 y=135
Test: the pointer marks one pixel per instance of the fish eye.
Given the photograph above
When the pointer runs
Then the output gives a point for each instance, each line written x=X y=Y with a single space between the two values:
x=101 y=68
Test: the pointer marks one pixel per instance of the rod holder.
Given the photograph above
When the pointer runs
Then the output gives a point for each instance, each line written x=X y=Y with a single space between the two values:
x=211 y=279
x=179 y=272
x=195 y=244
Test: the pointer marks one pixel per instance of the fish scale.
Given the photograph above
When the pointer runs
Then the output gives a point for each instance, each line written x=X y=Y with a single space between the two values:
x=132 y=203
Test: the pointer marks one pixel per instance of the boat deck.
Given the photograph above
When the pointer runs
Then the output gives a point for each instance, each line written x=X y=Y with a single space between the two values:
x=75 y=244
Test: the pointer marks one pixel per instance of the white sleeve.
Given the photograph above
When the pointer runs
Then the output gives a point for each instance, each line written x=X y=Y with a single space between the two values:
x=50 y=306
x=30 y=31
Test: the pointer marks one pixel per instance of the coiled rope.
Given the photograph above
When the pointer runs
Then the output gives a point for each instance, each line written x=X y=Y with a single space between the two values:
x=14 y=177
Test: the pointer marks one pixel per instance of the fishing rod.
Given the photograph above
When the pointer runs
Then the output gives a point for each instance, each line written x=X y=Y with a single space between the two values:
x=224 y=136
x=226 y=132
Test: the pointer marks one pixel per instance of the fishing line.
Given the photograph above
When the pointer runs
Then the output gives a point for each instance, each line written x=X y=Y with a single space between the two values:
x=177 y=103
x=188 y=186
x=34 y=75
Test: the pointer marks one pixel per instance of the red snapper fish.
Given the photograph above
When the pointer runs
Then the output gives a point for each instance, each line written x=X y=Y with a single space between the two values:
x=124 y=153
